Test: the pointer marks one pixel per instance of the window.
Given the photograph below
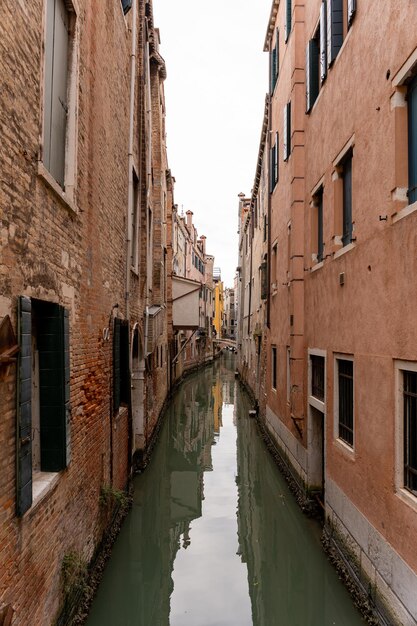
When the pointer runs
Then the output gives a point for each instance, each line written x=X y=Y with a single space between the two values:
x=287 y=131
x=121 y=373
x=274 y=367
x=135 y=225
x=410 y=430
x=317 y=377
x=274 y=63
x=288 y=12
x=312 y=73
x=347 y=199
x=57 y=110
x=288 y=374
x=345 y=400
x=264 y=278
x=43 y=413
x=412 y=141
x=274 y=172
x=340 y=14
x=318 y=243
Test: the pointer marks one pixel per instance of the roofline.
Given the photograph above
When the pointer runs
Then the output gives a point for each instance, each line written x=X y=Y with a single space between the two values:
x=261 y=151
x=271 y=24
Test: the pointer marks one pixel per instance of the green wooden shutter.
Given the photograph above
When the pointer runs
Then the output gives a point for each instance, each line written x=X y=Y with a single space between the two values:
x=412 y=141
x=24 y=408
x=323 y=41
x=116 y=365
x=272 y=169
x=312 y=71
x=127 y=5
x=276 y=174
x=67 y=399
x=287 y=131
x=334 y=29
x=53 y=387
x=288 y=19
x=124 y=363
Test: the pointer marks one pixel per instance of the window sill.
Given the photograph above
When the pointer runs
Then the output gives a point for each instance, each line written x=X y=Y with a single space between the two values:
x=344 y=250
x=407 y=497
x=43 y=483
x=317 y=404
x=408 y=210
x=345 y=447
x=317 y=266
x=50 y=182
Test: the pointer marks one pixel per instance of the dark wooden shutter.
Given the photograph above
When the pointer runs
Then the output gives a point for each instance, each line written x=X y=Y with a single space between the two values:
x=67 y=398
x=127 y=5
x=288 y=19
x=320 y=242
x=264 y=280
x=276 y=173
x=323 y=41
x=24 y=408
x=272 y=169
x=347 y=201
x=53 y=338
x=334 y=29
x=412 y=142
x=351 y=11
x=312 y=70
x=116 y=364
x=124 y=363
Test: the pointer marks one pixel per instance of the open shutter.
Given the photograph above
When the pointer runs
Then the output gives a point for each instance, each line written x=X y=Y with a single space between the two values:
x=287 y=131
x=312 y=68
x=124 y=363
x=351 y=11
x=412 y=141
x=272 y=170
x=116 y=364
x=288 y=19
x=334 y=29
x=67 y=399
x=276 y=173
x=323 y=41
x=59 y=92
x=53 y=388
x=347 y=201
x=127 y=5
x=24 y=408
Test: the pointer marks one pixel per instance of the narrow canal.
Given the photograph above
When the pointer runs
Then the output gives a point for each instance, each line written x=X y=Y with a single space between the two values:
x=214 y=537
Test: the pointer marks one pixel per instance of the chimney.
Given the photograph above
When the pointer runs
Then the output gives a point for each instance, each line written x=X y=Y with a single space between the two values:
x=189 y=215
x=203 y=242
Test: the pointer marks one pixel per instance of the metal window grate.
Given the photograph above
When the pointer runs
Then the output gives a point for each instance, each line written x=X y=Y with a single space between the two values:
x=410 y=431
x=317 y=377
x=345 y=379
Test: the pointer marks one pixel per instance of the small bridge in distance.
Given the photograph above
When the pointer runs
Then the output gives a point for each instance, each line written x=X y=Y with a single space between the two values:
x=225 y=343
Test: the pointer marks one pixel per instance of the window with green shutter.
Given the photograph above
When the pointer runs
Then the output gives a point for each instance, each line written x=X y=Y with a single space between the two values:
x=43 y=392
x=287 y=131
x=312 y=73
x=334 y=29
x=412 y=141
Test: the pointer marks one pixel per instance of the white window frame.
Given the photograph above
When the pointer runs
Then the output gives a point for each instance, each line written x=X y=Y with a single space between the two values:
x=404 y=494
x=343 y=444
x=68 y=194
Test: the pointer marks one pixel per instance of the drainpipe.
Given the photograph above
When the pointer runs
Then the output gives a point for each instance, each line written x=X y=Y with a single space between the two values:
x=130 y=157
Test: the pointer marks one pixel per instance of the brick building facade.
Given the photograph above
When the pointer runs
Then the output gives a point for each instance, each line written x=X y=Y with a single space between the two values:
x=84 y=199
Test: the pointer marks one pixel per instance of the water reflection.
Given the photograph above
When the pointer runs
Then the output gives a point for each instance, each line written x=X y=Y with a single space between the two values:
x=185 y=558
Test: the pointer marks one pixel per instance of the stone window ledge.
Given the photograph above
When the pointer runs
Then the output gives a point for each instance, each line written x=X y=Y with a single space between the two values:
x=344 y=250
x=407 y=210
x=42 y=484
x=407 y=497
x=50 y=181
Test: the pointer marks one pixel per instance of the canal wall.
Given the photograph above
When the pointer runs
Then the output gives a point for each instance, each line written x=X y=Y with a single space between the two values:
x=381 y=592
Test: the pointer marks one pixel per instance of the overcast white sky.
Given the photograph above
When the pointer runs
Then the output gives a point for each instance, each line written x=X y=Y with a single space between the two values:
x=215 y=94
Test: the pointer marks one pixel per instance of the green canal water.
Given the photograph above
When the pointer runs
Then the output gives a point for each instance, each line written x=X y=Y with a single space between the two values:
x=214 y=537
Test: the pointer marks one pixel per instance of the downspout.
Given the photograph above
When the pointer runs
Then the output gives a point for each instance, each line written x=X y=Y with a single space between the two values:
x=130 y=198
x=130 y=208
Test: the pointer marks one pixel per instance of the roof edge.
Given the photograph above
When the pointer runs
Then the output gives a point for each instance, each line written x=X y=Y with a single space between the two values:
x=271 y=23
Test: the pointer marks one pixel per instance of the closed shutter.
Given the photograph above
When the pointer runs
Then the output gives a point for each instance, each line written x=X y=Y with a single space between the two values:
x=53 y=340
x=287 y=131
x=116 y=365
x=312 y=69
x=67 y=398
x=351 y=11
x=347 y=201
x=323 y=41
x=49 y=66
x=272 y=170
x=24 y=408
x=124 y=363
x=412 y=142
x=59 y=104
x=288 y=19
x=334 y=29
x=264 y=280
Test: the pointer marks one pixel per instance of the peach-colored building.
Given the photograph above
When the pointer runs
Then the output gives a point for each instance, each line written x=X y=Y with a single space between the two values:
x=192 y=296
x=341 y=350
